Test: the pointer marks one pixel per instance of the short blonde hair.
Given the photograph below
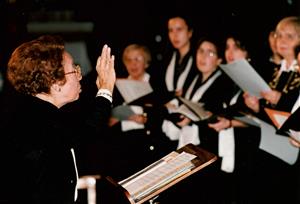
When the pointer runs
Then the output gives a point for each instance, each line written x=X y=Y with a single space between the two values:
x=290 y=20
x=144 y=51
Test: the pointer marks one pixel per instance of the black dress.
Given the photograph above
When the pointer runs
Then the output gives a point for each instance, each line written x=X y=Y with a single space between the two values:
x=37 y=142
x=205 y=185
x=173 y=75
x=272 y=173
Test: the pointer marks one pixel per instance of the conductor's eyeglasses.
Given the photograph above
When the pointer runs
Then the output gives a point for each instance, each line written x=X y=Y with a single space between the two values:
x=77 y=71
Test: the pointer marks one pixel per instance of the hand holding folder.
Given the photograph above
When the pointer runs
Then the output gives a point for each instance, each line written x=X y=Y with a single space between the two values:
x=295 y=135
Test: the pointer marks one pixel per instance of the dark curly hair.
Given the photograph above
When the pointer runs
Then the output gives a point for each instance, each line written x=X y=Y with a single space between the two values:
x=36 y=65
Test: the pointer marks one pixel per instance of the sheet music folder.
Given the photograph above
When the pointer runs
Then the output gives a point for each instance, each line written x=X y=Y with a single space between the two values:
x=291 y=123
x=162 y=174
x=277 y=117
x=196 y=108
x=246 y=77
x=131 y=90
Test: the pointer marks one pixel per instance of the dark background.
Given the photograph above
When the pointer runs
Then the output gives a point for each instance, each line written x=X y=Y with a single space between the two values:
x=119 y=23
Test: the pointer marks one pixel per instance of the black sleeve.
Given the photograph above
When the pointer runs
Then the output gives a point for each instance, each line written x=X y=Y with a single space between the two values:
x=100 y=116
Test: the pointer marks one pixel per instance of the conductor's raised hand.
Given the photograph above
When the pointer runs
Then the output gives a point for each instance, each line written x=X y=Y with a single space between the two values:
x=106 y=71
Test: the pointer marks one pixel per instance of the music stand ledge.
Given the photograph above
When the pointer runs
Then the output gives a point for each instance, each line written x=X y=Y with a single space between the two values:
x=123 y=192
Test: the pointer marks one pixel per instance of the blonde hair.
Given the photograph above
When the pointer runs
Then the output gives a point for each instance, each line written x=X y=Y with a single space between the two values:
x=290 y=20
x=144 y=51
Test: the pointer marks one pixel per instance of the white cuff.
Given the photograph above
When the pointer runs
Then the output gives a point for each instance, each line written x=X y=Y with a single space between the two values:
x=105 y=93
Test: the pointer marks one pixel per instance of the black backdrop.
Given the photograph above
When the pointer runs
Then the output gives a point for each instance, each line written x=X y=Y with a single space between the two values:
x=119 y=23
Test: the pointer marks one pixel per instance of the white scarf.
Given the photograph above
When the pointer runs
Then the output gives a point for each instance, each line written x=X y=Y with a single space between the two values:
x=202 y=89
x=284 y=68
x=189 y=134
x=170 y=74
x=76 y=171
x=227 y=144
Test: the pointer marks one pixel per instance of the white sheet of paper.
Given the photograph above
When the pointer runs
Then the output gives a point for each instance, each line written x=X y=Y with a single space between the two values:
x=280 y=119
x=277 y=145
x=132 y=89
x=245 y=76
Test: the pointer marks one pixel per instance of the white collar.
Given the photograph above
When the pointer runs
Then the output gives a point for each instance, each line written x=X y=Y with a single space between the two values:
x=146 y=77
x=283 y=67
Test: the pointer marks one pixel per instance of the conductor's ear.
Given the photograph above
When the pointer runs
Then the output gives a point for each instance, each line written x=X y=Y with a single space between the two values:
x=56 y=88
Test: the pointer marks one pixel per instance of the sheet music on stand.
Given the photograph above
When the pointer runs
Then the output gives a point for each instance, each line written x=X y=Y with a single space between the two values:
x=245 y=76
x=158 y=174
x=133 y=89
x=164 y=173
